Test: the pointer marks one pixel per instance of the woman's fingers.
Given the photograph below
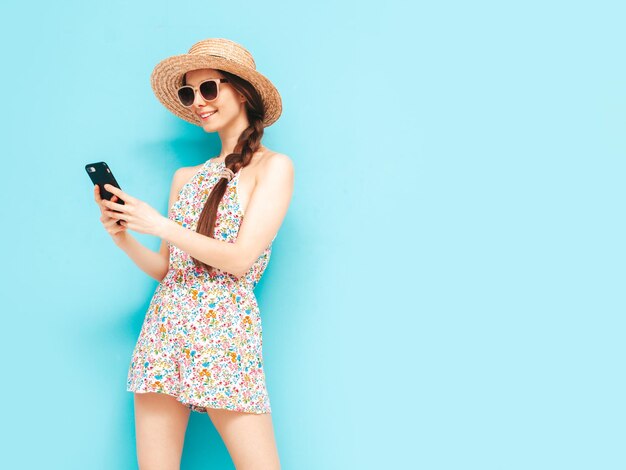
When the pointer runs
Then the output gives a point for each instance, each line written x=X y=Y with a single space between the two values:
x=100 y=201
x=113 y=227
x=118 y=192
x=109 y=222
x=111 y=215
x=114 y=217
x=113 y=224
x=115 y=205
x=107 y=214
x=98 y=197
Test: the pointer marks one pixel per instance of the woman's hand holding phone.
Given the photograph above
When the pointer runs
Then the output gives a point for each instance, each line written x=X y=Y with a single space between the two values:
x=133 y=213
x=121 y=211
x=117 y=232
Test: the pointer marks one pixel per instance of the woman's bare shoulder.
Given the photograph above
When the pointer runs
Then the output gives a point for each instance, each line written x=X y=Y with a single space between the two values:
x=186 y=172
x=269 y=160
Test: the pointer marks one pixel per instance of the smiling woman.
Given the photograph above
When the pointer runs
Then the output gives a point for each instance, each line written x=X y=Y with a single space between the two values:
x=206 y=116
x=200 y=346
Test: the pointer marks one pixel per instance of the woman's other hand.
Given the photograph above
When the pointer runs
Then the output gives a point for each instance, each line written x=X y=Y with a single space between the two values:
x=117 y=232
x=135 y=214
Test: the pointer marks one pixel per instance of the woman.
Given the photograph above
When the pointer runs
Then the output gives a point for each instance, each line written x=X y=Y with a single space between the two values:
x=200 y=346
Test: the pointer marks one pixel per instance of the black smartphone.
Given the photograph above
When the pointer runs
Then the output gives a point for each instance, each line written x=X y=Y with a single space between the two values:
x=101 y=174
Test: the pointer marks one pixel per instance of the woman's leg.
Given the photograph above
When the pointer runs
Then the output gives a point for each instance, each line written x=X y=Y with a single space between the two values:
x=160 y=426
x=249 y=438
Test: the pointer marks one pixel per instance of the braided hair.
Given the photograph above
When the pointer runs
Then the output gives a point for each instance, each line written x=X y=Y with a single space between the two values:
x=248 y=143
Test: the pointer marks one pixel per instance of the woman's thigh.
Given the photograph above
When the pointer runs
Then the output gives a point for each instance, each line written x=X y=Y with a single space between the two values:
x=160 y=426
x=249 y=438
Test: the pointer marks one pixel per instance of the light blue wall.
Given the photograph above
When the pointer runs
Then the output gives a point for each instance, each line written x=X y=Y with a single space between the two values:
x=446 y=291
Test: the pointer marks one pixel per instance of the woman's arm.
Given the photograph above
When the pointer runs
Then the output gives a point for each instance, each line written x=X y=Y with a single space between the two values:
x=152 y=263
x=263 y=217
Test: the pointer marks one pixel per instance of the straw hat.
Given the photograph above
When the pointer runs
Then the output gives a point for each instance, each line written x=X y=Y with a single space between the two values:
x=214 y=53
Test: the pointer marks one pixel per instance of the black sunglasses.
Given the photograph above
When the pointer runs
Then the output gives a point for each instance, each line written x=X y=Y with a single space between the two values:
x=209 y=89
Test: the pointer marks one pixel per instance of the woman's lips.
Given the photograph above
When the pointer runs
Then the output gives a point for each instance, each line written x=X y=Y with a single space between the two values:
x=207 y=118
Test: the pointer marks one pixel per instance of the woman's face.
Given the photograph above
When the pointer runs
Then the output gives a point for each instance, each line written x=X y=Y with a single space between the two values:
x=226 y=108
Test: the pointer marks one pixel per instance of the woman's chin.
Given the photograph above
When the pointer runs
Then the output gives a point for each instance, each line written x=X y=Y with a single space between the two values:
x=207 y=125
x=209 y=120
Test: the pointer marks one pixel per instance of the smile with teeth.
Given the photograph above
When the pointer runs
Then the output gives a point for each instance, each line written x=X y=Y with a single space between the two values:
x=206 y=115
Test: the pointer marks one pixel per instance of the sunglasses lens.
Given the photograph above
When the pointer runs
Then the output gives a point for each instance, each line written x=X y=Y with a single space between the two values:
x=208 y=90
x=186 y=95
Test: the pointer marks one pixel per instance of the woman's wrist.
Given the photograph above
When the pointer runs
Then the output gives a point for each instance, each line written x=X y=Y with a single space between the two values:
x=121 y=239
x=164 y=228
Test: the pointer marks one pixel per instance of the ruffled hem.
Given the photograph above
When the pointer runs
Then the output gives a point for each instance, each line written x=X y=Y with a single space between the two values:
x=198 y=407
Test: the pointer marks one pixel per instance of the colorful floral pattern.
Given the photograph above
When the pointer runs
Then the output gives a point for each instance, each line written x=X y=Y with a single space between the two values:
x=201 y=339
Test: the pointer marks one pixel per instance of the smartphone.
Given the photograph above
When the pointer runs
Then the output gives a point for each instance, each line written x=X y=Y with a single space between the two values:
x=101 y=174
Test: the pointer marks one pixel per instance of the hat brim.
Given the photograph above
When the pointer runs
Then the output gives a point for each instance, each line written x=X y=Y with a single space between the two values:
x=167 y=76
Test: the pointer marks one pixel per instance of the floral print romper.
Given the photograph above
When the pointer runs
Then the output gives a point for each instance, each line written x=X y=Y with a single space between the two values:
x=201 y=339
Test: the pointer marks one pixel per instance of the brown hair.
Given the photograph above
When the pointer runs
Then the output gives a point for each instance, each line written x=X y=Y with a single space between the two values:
x=248 y=143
